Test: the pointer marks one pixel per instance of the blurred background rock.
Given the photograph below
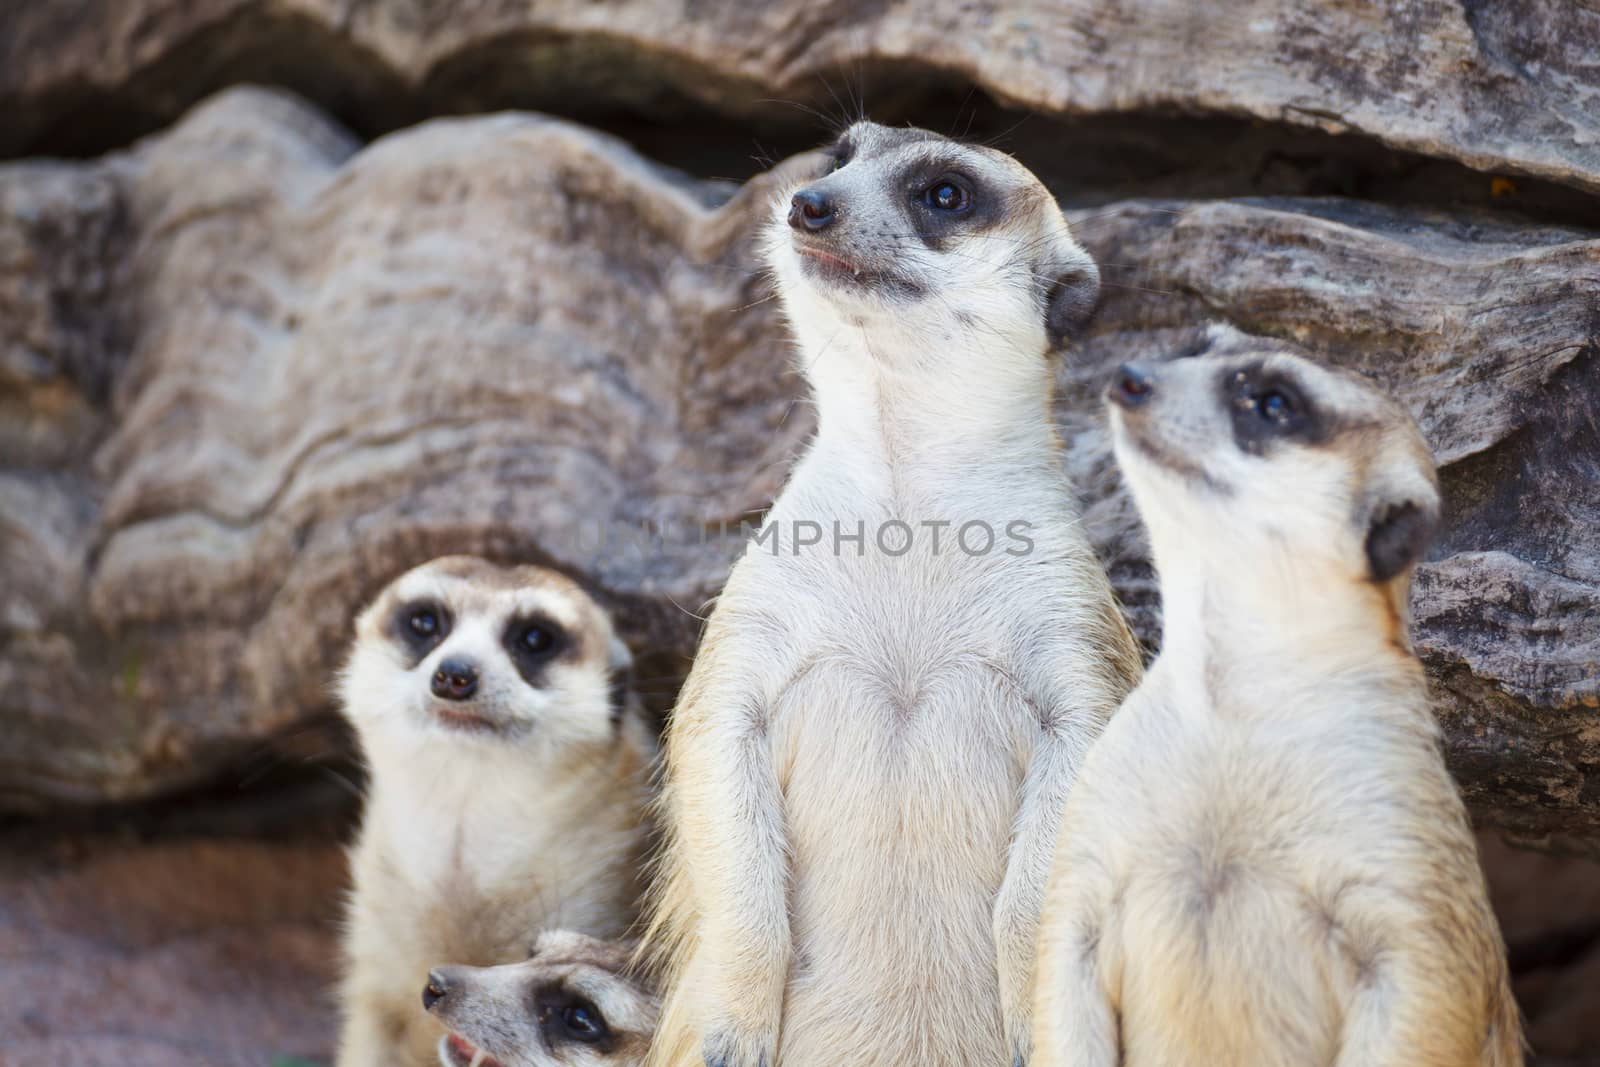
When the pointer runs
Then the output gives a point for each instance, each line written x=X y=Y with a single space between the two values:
x=294 y=295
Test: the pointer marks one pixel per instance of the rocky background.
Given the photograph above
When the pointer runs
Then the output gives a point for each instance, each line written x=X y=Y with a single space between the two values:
x=297 y=293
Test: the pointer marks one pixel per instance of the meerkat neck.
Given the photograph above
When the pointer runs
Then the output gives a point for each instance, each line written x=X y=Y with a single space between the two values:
x=989 y=399
x=1265 y=633
x=494 y=803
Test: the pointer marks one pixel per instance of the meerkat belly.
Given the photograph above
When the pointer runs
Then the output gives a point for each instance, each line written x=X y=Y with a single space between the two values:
x=1233 y=967
x=1232 y=947
x=900 y=787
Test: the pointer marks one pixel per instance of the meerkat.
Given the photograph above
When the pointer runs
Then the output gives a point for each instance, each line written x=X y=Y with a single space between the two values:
x=508 y=786
x=573 y=1002
x=866 y=765
x=1264 y=860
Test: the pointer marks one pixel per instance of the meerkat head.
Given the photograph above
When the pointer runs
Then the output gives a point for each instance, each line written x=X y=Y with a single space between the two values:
x=573 y=1002
x=914 y=231
x=1249 y=453
x=462 y=650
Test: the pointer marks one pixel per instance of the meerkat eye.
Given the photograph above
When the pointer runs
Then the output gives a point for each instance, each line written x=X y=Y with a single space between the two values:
x=1276 y=406
x=947 y=194
x=584 y=1022
x=536 y=637
x=421 y=624
x=532 y=641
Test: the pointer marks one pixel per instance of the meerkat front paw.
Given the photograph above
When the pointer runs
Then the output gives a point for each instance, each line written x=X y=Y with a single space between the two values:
x=1014 y=931
x=728 y=1046
x=741 y=1000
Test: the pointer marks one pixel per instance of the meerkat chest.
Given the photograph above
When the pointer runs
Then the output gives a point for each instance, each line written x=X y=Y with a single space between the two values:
x=904 y=725
x=907 y=647
x=898 y=574
x=896 y=647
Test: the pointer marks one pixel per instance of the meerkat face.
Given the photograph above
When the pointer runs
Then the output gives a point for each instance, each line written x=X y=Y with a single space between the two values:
x=1259 y=450
x=904 y=222
x=462 y=649
x=571 y=1003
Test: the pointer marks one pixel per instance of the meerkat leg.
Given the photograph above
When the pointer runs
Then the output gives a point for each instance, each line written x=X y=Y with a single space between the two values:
x=1407 y=1018
x=1076 y=1023
x=1033 y=844
x=731 y=839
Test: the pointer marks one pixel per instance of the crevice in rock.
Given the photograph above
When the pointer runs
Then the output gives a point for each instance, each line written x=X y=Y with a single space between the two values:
x=657 y=102
x=305 y=782
x=284 y=50
x=1558 y=449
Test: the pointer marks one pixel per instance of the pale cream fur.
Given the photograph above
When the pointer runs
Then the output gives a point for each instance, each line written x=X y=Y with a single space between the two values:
x=1264 y=861
x=473 y=841
x=867 y=763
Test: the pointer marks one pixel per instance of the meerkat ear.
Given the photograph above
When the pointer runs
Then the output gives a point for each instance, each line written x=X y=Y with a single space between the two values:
x=1070 y=300
x=1398 y=533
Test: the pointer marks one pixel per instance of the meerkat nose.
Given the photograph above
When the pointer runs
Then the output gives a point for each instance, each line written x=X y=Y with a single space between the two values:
x=1131 y=387
x=811 y=211
x=455 y=680
x=438 y=985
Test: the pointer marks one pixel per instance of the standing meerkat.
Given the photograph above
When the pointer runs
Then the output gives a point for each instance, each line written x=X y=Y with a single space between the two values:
x=572 y=1003
x=508 y=786
x=1264 y=860
x=869 y=758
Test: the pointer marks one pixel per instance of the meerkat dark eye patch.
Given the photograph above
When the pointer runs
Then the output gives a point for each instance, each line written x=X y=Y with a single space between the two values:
x=839 y=153
x=532 y=641
x=943 y=203
x=419 y=626
x=568 y=1018
x=1266 y=406
x=948 y=194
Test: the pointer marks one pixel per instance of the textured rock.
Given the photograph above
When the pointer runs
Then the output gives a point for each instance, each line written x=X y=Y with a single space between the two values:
x=1490 y=333
x=1503 y=86
x=215 y=953
x=342 y=365
x=240 y=404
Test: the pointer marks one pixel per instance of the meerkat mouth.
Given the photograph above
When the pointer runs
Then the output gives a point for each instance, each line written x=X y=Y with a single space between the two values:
x=466 y=721
x=831 y=262
x=840 y=271
x=1157 y=452
x=463 y=1053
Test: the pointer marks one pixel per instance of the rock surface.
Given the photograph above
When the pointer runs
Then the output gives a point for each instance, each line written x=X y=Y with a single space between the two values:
x=1504 y=87
x=205 y=952
x=232 y=408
